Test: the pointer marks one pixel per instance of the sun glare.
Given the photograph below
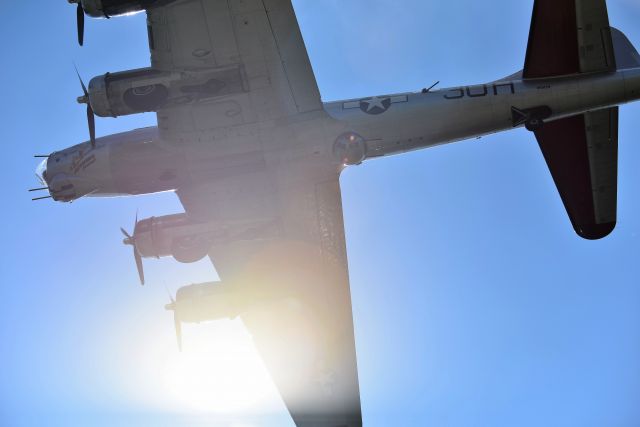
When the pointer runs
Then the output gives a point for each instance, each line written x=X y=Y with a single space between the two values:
x=218 y=371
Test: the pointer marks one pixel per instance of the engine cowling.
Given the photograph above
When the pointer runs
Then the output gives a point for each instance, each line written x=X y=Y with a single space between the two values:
x=188 y=240
x=204 y=302
x=113 y=8
x=147 y=90
x=174 y=235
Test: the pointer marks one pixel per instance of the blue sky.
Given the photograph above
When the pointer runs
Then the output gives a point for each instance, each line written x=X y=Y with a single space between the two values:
x=475 y=304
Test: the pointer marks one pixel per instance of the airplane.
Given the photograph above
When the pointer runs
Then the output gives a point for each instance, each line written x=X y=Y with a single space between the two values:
x=255 y=156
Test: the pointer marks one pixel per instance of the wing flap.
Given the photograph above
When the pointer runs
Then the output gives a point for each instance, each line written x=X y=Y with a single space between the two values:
x=582 y=155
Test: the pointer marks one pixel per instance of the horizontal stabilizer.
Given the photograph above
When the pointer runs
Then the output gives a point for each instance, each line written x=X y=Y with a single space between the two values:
x=582 y=155
x=569 y=37
x=626 y=55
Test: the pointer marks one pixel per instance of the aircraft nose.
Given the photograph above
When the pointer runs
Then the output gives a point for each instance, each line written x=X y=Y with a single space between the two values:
x=41 y=172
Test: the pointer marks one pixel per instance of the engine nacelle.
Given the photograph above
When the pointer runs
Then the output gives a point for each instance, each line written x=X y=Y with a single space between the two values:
x=112 y=8
x=207 y=302
x=202 y=303
x=146 y=90
x=187 y=240
x=174 y=235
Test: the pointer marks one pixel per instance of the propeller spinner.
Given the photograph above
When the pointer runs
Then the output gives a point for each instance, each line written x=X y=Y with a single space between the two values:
x=131 y=241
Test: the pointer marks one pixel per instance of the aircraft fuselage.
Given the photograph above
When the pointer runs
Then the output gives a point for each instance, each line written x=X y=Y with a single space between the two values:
x=416 y=120
x=139 y=162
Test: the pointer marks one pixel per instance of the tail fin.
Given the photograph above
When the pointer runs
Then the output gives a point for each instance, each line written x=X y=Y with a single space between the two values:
x=626 y=55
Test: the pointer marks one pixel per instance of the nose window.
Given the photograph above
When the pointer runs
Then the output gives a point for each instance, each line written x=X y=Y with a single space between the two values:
x=41 y=172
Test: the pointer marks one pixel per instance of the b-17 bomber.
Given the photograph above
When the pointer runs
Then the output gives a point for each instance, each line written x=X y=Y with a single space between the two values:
x=254 y=156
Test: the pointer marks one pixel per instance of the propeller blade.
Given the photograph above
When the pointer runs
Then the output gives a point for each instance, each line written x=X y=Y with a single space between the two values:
x=176 y=321
x=84 y=87
x=80 y=19
x=91 y=119
x=130 y=240
x=126 y=234
x=139 y=265
x=171 y=298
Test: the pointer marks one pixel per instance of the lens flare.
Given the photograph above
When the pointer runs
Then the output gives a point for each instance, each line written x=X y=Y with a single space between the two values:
x=219 y=371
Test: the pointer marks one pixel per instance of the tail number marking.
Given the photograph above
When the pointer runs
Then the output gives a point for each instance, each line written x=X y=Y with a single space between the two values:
x=481 y=91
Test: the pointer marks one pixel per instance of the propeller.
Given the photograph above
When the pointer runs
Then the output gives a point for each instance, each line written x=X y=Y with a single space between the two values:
x=80 y=15
x=176 y=320
x=80 y=20
x=91 y=119
x=130 y=240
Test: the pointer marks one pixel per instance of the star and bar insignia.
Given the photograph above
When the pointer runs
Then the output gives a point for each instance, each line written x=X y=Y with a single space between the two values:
x=375 y=105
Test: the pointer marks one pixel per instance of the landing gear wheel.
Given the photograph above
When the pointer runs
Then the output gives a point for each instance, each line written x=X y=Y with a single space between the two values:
x=534 y=124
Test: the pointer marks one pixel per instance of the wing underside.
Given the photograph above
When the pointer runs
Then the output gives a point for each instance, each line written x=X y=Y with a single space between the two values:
x=281 y=242
x=253 y=52
x=293 y=274
x=573 y=37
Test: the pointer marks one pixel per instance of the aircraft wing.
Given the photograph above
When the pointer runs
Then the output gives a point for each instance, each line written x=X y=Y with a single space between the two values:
x=282 y=244
x=570 y=37
x=291 y=268
x=254 y=55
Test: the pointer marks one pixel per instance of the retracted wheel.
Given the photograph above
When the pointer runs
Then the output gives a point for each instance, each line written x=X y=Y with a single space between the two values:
x=532 y=118
x=534 y=124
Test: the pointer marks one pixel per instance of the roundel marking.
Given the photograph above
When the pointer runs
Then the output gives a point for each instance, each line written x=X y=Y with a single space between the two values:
x=376 y=105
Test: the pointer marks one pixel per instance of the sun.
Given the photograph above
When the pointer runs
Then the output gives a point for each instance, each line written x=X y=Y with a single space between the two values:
x=218 y=371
